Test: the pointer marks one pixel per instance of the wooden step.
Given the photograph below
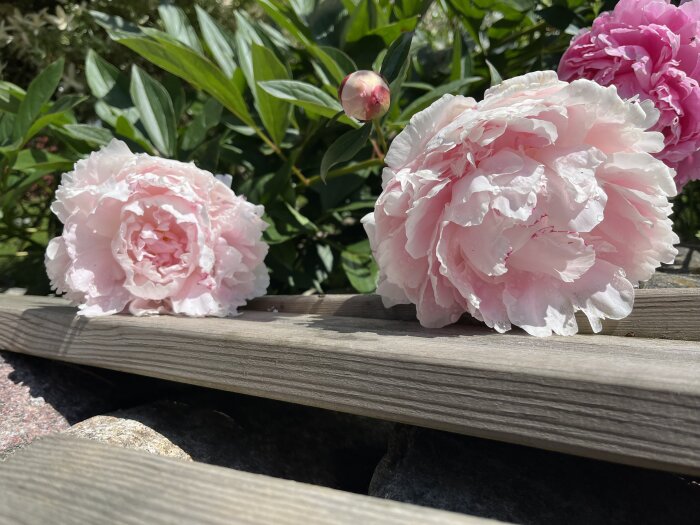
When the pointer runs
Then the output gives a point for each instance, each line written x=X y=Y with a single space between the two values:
x=67 y=480
x=624 y=399
x=669 y=313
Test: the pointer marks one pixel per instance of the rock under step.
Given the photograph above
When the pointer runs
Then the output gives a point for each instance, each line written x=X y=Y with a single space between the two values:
x=527 y=486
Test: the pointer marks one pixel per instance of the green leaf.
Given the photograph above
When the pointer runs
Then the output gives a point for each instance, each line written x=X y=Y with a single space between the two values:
x=390 y=32
x=360 y=23
x=557 y=16
x=424 y=101
x=245 y=38
x=304 y=222
x=91 y=134
x=345 y=148
x=342 y=60
x=106 y=81
x=325 y=253
x=39 y=93
x=360 y=267
x=495 y=75
x=127 y=130
x=285 y=17
x=101 y=75
x=67 y=102
x=177 y=25
x=457 y=66
x=307 y=96
x=274 y=112
x=40 y=161
x=155 y=109
x=191 y=67
x=396 y=57
x=39 y=124
x=217 y=42
x=208 y=118
x=115 y=24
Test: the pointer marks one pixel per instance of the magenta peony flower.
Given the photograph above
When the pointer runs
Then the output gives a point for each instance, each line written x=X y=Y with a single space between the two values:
x=154 y=236
x=649 y=48
x=542 y=200
x=364 y=95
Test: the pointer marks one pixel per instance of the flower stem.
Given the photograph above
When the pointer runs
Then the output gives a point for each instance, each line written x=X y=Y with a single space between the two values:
x=280 y=154
x=380 y=135
x=352 y=168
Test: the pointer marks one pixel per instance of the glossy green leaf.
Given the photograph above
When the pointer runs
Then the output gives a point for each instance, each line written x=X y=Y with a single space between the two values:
x=208 y=118
x=155 y=109
x=127 y=130
x=360 y=267
x=307 y=96
x=41 y=161
x=345 y=148
x=219 y=45
x=92 y=134
x=39 y=93
x=192 y=67
x=178 y=26
x=495 y=75
x=390 y=32
x=396 y=57
x=273 y=111
x=425 y=100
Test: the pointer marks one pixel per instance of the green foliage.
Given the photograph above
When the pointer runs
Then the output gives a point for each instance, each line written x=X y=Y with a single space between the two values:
x=250 y=89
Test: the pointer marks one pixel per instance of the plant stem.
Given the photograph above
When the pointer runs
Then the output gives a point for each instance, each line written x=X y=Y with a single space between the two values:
x=352 y=168
x=380 y=135
x=280 y=154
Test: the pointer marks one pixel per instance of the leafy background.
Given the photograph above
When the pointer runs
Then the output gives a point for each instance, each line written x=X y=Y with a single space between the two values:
x=249 y=88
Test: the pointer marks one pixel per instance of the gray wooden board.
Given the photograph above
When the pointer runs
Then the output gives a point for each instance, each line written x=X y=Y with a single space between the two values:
x=65 y=480
x=630 y=400
x=670 y=313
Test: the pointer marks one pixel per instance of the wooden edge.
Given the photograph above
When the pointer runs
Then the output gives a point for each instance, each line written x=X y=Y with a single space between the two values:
x=632 y=401
x=61 y=479
x=669 y=313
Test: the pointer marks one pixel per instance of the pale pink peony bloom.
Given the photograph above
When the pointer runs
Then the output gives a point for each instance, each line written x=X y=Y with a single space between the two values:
x=539 y=201
x=364 y=95
x=650 y=49
x=151 y=235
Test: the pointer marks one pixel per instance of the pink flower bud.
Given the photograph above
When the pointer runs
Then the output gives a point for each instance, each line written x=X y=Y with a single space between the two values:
x=364 y=95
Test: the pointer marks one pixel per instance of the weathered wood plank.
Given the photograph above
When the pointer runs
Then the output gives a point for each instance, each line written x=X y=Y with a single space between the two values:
x=630 y=400
x=75 y=481
x=669 y=313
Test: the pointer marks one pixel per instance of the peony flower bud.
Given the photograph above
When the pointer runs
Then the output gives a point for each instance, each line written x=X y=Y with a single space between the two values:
x=364 y=95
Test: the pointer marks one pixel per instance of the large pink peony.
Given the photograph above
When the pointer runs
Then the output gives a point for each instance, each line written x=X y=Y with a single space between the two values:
x=542 y=200
x=154 y=236
x=649 y=48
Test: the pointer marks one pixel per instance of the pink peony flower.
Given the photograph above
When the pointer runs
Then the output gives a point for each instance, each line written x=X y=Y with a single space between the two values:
x=649 y=48
x=154 y=236
x=364 y=95
x=542 y=200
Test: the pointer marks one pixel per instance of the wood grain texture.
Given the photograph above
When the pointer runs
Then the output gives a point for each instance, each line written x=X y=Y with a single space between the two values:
x=670 y=313
x=74 y=481
x=623 y=399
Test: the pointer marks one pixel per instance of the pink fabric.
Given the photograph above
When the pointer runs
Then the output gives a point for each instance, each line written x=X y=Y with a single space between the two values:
x=650 y=49
x=364 y=95
x=154 y=236
x=542 y=200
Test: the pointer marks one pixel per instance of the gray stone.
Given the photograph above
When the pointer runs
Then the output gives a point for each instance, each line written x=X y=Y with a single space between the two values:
x=527 y=486
x=254 y=435
x=39 y=397
x=127 y=433
x=672 y=280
